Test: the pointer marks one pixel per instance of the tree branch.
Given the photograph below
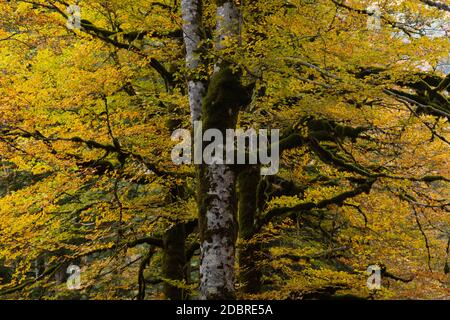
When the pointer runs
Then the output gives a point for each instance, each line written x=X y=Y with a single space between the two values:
x=438 y=5
x=337 y=200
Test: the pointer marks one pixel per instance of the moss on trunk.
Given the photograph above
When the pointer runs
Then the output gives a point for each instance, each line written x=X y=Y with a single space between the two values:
x=217 y=190
x=250 y=275
x=174 y=261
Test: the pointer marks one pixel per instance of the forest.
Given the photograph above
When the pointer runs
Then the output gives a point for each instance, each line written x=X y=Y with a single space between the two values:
x=109 y=189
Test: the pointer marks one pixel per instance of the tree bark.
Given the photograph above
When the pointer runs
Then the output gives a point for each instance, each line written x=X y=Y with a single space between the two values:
x=250 y=274
x=192 y=34
x=218 y=205
x=217 y=191
x=174 y=261
x=217 y=109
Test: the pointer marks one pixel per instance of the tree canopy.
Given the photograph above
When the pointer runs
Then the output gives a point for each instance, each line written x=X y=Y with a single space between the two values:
x=87 y=114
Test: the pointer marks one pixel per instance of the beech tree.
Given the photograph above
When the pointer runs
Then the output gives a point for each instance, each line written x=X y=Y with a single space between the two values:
x=87 y=114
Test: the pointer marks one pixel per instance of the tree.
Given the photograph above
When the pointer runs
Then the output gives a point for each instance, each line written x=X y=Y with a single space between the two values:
x=87 y=114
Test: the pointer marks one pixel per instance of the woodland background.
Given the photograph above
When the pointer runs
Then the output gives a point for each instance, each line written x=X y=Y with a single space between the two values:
x=86 y=177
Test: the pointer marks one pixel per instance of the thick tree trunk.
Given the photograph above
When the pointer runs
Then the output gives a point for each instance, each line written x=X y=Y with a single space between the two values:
x=5 y=272
x=217 y=182
x=250 y=274
x=192 y=33
x=228 y=22
x=174 y=261
x=217 y=232
x=217 y=198
x=174 y=251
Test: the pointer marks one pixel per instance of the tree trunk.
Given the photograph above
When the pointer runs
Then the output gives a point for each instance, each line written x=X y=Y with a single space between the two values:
x=250 y=275
x=217 y=182
x=192 y=31
x=217 y=198
x=174 y=261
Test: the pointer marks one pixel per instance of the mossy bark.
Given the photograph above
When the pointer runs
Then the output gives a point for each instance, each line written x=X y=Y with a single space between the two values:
x=250 y=274
x=218 y=230
x=174 y=261
x=217 y=192
x=5 y=273
x=216 y=182
x=192 y=34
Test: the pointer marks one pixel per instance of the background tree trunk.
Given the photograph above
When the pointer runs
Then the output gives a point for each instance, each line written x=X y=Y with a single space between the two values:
x=250 y=275
x=174 y=261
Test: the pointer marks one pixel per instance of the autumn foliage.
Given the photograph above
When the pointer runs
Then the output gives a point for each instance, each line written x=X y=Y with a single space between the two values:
x=86 y=176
